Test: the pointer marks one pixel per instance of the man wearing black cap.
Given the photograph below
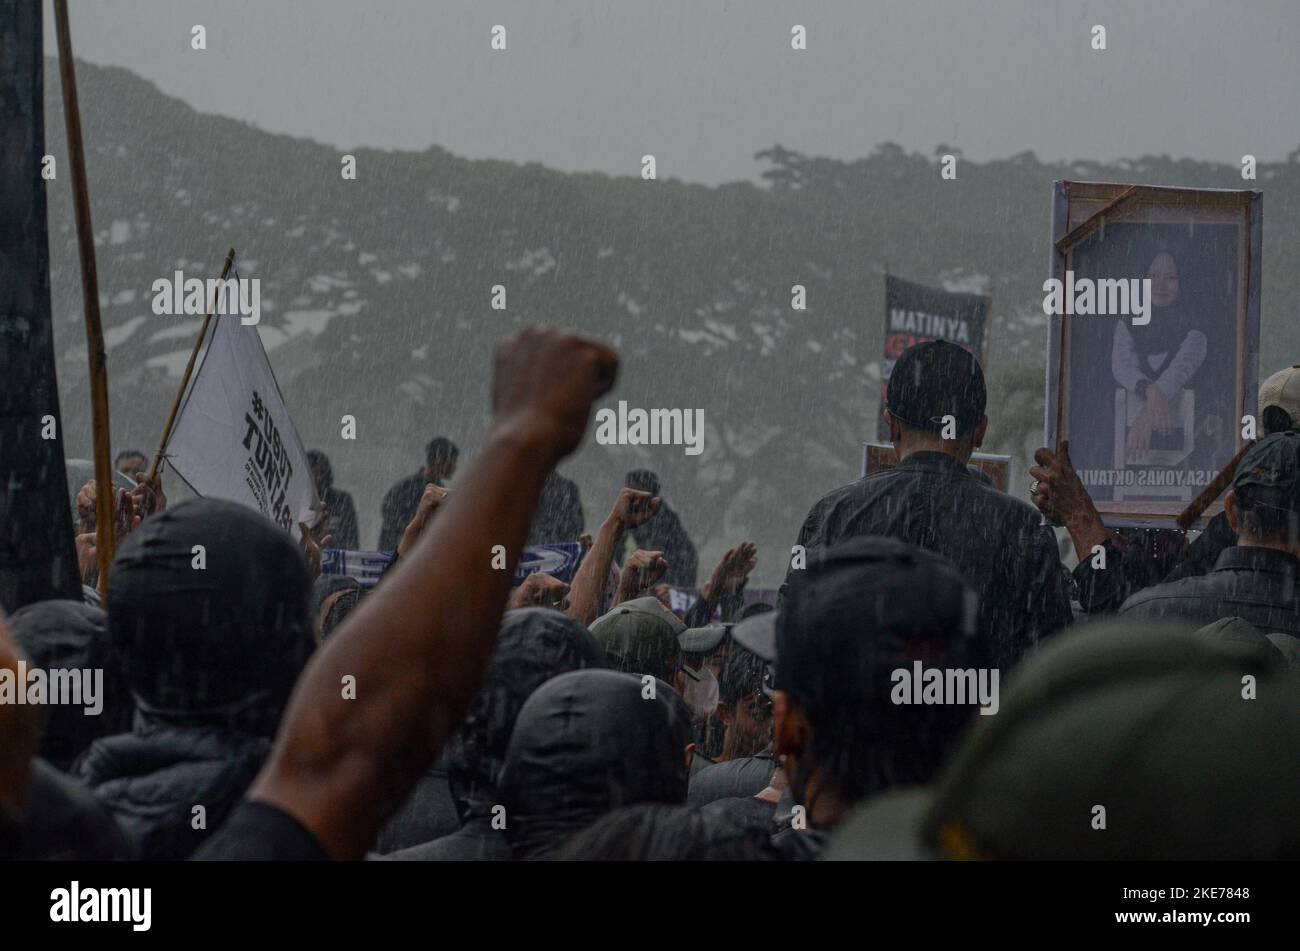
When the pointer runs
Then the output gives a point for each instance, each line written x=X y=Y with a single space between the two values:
x=846 y=629
x=1255 y=579
x=935 y=411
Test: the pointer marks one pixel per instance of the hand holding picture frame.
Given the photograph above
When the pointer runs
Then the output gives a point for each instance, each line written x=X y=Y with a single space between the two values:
x=1153 y=344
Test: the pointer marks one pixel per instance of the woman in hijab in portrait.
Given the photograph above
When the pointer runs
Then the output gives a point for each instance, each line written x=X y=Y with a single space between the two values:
x=1157 y=361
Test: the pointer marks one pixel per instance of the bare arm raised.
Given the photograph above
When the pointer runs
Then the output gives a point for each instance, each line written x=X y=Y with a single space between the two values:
x=416 y=648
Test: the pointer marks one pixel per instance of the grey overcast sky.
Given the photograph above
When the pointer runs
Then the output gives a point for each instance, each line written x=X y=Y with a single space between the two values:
x=703 y=84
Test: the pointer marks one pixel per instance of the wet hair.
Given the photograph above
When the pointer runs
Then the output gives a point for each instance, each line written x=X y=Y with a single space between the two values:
x=319 y=462
x=1268 y=515
x=864 y=748
x=643 y=480
x=344 y=605
x=652 y=832
x=1274 y=419
x=742 y=676
x=439 y=452
x=129 y=454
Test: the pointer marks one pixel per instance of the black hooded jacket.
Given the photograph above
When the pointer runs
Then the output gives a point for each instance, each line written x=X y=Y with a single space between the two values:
x=534 y=645
x=585 y=743
x=72 y=635
x=153 y=779
x=210 y=655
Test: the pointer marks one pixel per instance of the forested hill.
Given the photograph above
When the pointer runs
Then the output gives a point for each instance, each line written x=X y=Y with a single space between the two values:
x=376 y=292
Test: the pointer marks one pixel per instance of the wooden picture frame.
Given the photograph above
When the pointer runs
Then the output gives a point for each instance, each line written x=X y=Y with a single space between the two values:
x=1147 y=480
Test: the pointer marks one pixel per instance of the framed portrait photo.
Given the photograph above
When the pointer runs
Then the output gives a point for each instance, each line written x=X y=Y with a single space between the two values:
x=1153 y=344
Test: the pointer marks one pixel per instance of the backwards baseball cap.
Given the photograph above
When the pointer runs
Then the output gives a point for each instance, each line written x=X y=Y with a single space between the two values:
x=641 y=637
x=1282 y=390
x=1121 y=740
x=874 y=601
x=1273 y=463
x=935 y=379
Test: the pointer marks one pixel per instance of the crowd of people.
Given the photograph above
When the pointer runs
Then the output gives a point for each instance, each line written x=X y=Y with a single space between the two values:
x=253 y=708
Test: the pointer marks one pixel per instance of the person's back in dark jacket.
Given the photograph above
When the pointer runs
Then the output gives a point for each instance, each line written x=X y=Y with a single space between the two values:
x=340 y=514
x=935 y=402
x=210 y=657
x=998 y=543
x=559 y=512
x=429 y=813
x=1258 y=585
x=341 y=520
x=664 y=532
x=401 y=501
x=155 y=778
x=1256 y=580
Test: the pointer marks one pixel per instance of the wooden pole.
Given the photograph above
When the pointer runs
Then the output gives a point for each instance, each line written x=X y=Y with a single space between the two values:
x=1212 y=491
x=189 y=369
x=90 y=296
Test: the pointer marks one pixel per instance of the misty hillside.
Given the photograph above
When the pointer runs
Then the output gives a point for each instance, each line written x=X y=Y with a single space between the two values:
x=376 y=292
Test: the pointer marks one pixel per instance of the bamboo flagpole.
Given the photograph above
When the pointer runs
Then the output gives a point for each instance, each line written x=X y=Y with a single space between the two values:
x=189 y=368
x=90 y=296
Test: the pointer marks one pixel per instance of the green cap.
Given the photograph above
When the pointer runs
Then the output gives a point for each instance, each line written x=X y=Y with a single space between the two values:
x=1119 y=740
x=640 y=637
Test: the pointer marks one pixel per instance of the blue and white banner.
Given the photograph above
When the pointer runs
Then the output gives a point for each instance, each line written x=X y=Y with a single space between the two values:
x=560 y=559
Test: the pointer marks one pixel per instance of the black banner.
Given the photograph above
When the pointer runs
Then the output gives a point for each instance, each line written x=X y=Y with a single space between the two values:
x=36 y=553
x=915 y=313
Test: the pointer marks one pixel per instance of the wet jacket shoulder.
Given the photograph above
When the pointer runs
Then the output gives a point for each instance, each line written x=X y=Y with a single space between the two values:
x=342 y=523
x=1132 y=559
x=559 y=513
x=400 y=503
x=64 y=821
x=1203 y=553
x=997 y=542
x=477 y=841
x=1255 y=584
x=735 y=778
x=151 y=781
x=428 y=813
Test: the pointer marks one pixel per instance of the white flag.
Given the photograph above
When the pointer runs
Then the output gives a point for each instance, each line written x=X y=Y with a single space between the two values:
x=234 y=438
